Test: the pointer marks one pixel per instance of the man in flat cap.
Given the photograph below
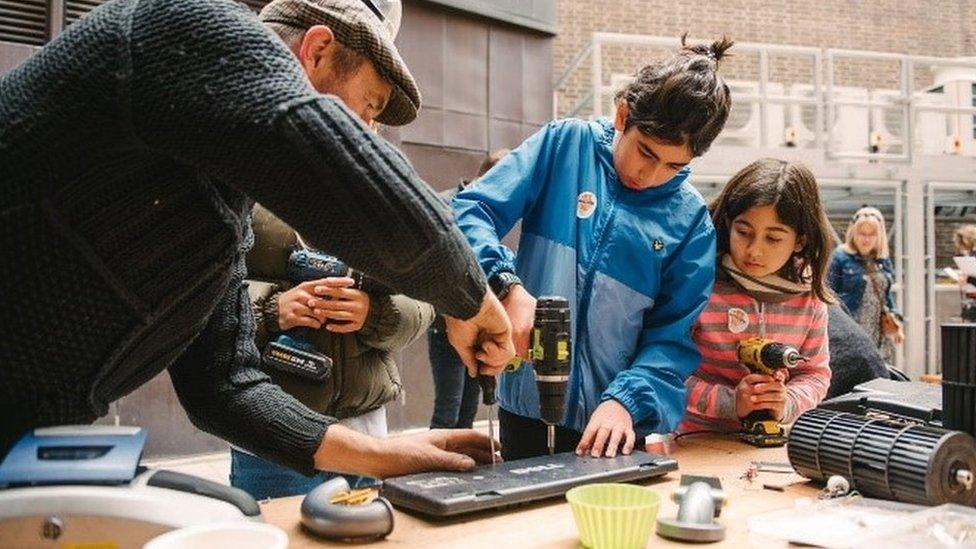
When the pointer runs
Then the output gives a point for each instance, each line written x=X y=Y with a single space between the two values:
x=132 y=148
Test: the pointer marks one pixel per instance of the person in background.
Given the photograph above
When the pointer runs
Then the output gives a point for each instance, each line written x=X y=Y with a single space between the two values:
x=862 y=276
x=853 y=357
x=774 y=244
x=359 y=329
x=964 y=240
x=455 y=392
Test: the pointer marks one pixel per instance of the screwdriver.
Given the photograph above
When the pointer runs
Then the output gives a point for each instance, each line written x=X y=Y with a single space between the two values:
x=487 y=384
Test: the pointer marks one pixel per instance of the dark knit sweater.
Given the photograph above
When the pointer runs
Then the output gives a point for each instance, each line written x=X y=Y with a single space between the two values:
x=131 y=148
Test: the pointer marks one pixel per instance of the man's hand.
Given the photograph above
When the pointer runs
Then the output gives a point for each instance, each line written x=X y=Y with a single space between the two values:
x=609 y=425
x=293 y=307
x=346 y=451
x=484 y=342
x=339 y=302
x=760 y=392
x=520 y=306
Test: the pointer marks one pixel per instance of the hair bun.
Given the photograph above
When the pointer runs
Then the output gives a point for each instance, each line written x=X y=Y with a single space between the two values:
x=716 y=51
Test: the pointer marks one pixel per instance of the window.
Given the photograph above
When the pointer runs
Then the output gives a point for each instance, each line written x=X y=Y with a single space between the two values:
x=972 y=100
x=23 y=21
x=75 y=9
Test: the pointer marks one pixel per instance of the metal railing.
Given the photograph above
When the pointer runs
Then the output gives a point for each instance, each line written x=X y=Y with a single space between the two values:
x=824 y=96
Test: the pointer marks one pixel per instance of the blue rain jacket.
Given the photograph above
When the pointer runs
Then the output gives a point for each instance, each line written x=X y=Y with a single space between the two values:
x=637 y=268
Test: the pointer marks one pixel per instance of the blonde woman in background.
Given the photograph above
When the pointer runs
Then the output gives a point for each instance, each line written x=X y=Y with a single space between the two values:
x=861 y=275
x=964 y=240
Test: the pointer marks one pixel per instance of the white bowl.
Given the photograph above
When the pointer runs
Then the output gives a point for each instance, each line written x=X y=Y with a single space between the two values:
x=222 y=535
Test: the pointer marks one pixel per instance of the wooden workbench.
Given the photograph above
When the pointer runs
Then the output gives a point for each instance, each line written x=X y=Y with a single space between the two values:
x=550 y=523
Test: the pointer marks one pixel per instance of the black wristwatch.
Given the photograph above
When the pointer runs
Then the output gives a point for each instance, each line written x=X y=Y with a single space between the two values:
x=502 y=283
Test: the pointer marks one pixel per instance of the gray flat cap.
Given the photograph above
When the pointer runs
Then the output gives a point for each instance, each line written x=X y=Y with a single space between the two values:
x=358 y=28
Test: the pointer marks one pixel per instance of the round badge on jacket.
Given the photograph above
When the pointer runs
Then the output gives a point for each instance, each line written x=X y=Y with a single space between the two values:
x=585 y=204
x=738 y=320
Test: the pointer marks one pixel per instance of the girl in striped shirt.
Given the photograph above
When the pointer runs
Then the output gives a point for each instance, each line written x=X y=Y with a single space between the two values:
x=774 y=245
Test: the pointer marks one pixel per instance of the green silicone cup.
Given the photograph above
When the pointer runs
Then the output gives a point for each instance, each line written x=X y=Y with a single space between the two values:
x=618 y=516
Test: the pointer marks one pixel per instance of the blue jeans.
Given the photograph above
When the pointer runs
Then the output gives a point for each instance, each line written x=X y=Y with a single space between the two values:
x=264 y=479
x=455 y=393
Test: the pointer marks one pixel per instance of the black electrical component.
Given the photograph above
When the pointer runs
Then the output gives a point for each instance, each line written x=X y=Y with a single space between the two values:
x=885 y=459
x=959 y=377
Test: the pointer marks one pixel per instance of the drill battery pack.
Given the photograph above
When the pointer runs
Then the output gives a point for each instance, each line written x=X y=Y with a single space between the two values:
x=764 y=434
x=292 y=359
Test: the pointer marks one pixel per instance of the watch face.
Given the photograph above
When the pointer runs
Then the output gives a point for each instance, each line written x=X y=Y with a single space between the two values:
x=501 y=282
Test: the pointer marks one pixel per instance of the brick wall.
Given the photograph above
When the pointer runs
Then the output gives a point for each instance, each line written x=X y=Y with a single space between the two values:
x=936 y=27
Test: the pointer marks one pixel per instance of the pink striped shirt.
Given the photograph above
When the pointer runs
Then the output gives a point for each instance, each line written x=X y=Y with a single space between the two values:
x=799 y=321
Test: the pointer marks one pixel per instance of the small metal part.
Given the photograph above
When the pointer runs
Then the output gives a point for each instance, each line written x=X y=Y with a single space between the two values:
x=700 y=500
x=52 y=528
x=751 y=473
x=774 y=487
x=491 y=432
x=965 y=477
x=488 y=386
x=837 y=486
x=773 y=467
x=551 y=438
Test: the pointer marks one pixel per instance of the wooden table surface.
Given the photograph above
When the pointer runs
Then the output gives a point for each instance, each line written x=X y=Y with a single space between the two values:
x=550 y=523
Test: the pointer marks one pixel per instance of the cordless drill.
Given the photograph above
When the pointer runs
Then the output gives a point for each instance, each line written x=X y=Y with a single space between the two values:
x=550 y=352
x=764 y=356
x=292 y=351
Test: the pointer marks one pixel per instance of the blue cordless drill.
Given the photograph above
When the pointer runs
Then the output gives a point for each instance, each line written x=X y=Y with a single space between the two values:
x=292 y=351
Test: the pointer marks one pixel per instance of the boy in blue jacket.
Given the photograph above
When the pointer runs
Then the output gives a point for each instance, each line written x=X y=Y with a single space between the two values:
x=610 y=222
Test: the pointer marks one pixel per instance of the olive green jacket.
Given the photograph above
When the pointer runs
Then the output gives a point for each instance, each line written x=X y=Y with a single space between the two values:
x=364 y=375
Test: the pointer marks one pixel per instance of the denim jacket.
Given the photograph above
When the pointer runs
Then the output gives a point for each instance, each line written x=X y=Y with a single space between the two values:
x=846 y=278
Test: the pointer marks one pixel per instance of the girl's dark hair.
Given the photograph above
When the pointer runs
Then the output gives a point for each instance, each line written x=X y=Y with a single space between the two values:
x=681 y=99
x=792 y=190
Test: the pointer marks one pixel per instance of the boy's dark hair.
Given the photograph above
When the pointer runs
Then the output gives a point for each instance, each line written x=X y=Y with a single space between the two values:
x=792 y=190
x=681 y=99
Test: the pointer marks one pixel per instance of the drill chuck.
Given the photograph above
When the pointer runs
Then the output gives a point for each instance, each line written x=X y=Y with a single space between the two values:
x=764 y=356
x=551 y=351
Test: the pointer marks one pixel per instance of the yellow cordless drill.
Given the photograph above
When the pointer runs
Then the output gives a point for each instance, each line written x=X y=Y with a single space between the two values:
x=765 y=356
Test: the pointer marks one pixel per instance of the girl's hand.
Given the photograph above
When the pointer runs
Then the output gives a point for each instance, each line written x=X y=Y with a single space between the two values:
x=346 y=307
x=760 y=392
x=293 y=307
x=609 y=425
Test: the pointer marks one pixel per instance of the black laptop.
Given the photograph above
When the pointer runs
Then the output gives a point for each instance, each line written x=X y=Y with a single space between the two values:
x=912 y=401
x=514 y=482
